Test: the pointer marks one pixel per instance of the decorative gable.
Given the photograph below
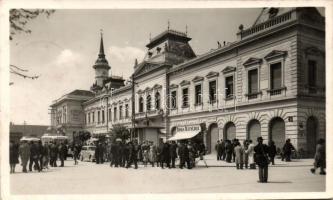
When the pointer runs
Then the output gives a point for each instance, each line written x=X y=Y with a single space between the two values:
x=197 y=78
x=314 y=51
x=139 y=91
x=228 y=69
x=212 y=74
x=157 y=86
x=145 y=67
x=184 y=82
x=147 y=89
x=173 y=86
x=275 y=54
x=252 y=61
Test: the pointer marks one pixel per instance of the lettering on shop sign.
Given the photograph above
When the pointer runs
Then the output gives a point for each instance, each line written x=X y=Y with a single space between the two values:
x=189 y=128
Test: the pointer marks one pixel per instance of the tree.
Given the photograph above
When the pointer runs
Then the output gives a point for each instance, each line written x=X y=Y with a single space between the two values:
x=119 y=131
x=18 y=19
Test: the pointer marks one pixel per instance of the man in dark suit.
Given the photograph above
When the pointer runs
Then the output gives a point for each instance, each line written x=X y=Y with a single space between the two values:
x=173 y=153
x=34 y=156
x=165 y=155
x=261 y=158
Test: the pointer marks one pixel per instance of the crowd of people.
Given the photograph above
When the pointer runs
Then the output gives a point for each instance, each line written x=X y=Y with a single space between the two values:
x=39 y=156
x=126 y=154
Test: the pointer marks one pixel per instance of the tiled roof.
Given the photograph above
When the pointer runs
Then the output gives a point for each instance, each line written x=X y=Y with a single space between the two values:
x=28 y=130
x=82 y=93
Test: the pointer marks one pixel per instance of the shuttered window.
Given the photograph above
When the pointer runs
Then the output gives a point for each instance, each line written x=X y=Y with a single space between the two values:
x=253 y=81
x=198 y=94
x=312 y=73
x=276 y=76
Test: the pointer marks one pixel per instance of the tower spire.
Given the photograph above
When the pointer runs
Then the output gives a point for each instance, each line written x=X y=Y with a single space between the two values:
x=101 y=48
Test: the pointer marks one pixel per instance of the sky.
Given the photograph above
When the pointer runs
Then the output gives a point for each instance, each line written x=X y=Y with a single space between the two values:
x=63 y=48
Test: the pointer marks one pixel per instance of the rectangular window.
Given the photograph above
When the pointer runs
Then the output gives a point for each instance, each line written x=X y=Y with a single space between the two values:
x=312 y=73
x=114 y=113
x=98 y=117
x=126 y=111
x=276 y=76
x=120 y=112
x=89 y=118
x=229 y=86
x=198 y=94
x=103 y=116
x=253 y=81
x=212 y=91
x=185 y=97
x=93 y=117
x=110 y=115
x=174 y=99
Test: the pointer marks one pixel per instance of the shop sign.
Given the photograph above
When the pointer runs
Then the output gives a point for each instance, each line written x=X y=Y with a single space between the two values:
x=189 y=128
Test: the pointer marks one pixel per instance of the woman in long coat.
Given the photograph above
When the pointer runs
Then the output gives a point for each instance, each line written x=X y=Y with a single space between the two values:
x=250 y=153
x=239 y=151
x=13 y=156
x=152 y=154
x=24 y=151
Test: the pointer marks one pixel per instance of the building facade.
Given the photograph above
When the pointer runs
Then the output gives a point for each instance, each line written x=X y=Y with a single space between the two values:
x=270 y=82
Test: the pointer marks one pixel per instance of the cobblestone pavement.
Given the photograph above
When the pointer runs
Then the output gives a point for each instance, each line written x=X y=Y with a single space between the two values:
x=220 y=177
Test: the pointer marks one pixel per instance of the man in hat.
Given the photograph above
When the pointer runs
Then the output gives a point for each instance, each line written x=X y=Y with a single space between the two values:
x=261 y=158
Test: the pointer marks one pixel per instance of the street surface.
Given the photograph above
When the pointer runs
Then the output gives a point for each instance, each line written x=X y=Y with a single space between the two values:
x=220 y=177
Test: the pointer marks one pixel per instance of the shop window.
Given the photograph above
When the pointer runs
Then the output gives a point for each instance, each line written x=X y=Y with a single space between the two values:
x=229 y=86
x=185 y=97
x=212 y=91
x=198 y=94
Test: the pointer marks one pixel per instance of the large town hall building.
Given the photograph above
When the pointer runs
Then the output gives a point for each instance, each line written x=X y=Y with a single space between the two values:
x=270 y=82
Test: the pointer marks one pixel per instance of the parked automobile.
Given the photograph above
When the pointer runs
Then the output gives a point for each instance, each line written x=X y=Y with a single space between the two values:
x=87 y=153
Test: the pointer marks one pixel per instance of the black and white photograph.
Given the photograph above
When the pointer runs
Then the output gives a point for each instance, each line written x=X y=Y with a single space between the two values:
x=206 y=101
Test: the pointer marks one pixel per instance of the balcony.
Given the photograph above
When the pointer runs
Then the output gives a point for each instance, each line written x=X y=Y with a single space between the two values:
x=284 y=18
x=149 y=114
x=277 y=91
x=253 y=95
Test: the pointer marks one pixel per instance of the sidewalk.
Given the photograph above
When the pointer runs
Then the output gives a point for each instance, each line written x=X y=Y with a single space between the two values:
x=212 y=162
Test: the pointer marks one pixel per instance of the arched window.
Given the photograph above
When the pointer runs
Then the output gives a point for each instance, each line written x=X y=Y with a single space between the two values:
x=157 y=100
x=140 y=104
x=148 y=102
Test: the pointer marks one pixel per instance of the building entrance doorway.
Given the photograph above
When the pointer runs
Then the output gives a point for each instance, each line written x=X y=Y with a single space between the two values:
x=230 y=131
x=277 y=132
x=253 y=130
x=212 y=137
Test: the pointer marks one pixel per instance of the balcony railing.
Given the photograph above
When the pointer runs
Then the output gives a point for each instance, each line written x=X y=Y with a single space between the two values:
x=276 y=91
x=268 y=24
x=150 y=113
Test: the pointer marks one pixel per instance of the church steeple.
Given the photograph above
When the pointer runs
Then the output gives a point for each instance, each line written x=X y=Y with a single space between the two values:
x=101 y=65
x=101 y=62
